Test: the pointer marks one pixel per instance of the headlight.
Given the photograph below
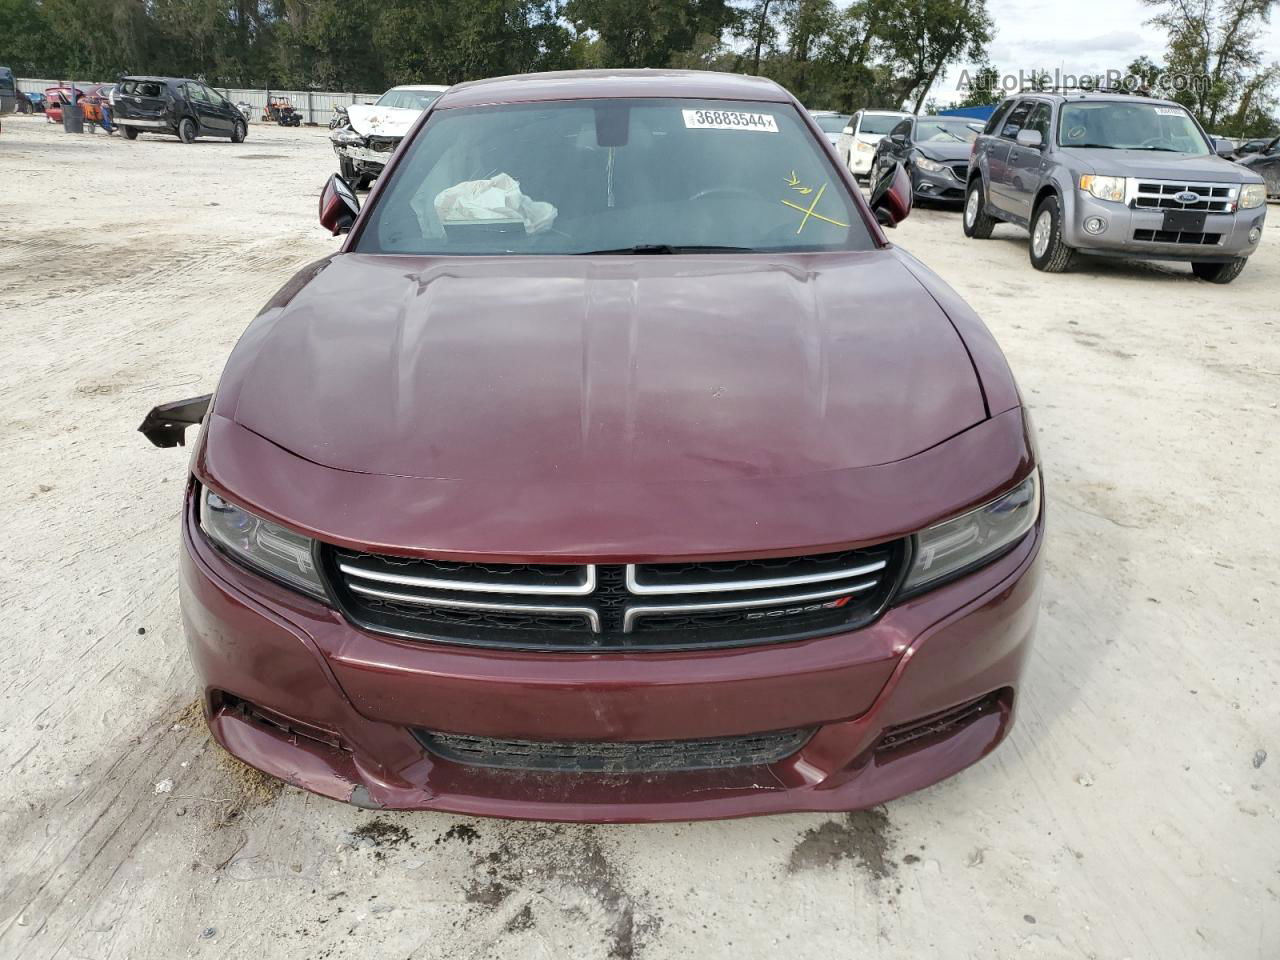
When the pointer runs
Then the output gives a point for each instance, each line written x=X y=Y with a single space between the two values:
x=1104 y=188
x=971 y=539
x=345 y=136
x=265 y=546
x=864 y=147
x=924 y=163
x=1253 y=195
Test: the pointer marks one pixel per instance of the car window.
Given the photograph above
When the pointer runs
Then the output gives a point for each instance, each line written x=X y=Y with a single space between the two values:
x=1039 y=121
x=613 y=174
x=408 y=99
x=196 y=92
x=214 y=97
x=1009 y=129
x=832 y=124
x=997 y=118
x=141 y=88
x=1274 y=149
x=877 y=124
x=1130 y=125
x=946 y=130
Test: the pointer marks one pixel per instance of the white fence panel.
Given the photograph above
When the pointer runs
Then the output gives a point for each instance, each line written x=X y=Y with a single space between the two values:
x=316 y=106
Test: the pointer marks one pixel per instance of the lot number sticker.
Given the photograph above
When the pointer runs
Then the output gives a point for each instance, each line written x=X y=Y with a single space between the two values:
x=729 y=120
x=1169 y=111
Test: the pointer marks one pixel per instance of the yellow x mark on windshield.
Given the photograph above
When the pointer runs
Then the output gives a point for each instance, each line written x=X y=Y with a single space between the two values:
x=809 y=210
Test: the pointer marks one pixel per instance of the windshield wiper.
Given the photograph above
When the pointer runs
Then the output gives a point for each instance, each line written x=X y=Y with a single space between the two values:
x=1094 y=146
x=664 y=248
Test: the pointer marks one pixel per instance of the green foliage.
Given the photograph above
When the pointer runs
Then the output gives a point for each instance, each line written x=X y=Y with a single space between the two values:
x=983 y=87
x=1215 y=43
x=831 y=53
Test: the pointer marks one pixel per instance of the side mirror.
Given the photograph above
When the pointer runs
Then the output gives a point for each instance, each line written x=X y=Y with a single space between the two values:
x=891 y=196
x=847 y=131
x=1223 y=148
x=338 y=206
x=898 y=138
x=1030 y=138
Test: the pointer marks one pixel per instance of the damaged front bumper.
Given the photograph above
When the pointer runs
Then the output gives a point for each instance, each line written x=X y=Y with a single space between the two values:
x=367 y=154
x=166 y=425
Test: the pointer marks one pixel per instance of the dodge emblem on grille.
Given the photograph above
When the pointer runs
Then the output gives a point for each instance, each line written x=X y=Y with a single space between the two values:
x=1186 y=196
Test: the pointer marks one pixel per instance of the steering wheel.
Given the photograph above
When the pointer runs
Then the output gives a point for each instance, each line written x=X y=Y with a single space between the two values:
x=725 y=192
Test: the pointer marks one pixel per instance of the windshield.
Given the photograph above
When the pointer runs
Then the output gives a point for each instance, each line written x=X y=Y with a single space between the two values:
x=878 y=123
x=832 y=124
x=935 y=130
x=408 y=99
x=614 y=176
x=1130 y=126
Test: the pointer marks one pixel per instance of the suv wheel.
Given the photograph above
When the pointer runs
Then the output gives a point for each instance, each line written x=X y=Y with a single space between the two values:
x=186 y=130
x=238 y=132
x=1219 y=272
x=1048 y=252
x=130 y=133
x=978 y=224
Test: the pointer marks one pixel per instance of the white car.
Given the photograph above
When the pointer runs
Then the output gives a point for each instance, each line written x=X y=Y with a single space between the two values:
x=832 y=123
x=372 y=132
x=857 y=143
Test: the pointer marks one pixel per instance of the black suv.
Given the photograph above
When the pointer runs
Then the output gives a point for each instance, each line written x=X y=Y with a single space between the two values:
x=181 y=108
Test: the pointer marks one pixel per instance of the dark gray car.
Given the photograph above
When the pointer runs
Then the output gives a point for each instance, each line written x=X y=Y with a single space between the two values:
x=176 y=106
x=1113 y=175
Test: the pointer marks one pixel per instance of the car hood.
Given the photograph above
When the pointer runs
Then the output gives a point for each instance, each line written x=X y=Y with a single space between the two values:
x=604 y=369
x=369 y=120
x=950 y=152
x=1160 y=166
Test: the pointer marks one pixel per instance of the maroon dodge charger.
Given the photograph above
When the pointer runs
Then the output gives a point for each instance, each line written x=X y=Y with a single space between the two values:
x=617 y=468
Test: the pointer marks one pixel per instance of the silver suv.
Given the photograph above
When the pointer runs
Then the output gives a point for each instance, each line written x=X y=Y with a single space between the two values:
x=1113 y=175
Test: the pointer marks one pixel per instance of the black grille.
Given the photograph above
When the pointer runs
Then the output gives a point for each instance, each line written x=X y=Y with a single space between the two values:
x=666 y=606
x=1177 y=236
x=961 y=171
x=382 y=144
x=615 y=756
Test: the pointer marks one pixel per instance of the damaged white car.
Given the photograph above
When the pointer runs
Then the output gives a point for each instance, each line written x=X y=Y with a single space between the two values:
x=372 y=132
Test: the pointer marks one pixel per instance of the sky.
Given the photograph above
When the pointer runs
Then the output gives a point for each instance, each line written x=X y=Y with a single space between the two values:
x=1076 y=36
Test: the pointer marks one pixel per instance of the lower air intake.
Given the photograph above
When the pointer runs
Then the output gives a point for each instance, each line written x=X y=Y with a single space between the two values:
x=652 y=756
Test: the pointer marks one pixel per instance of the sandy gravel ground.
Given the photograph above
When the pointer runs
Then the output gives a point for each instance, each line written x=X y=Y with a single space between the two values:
x=1133 y=813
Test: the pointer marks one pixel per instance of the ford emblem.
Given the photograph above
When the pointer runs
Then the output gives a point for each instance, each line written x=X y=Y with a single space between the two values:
x=1186 y=196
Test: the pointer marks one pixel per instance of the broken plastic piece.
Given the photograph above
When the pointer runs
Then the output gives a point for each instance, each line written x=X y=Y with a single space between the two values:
x=166 y=425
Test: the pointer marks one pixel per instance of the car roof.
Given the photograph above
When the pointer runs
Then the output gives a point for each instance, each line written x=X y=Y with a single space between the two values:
x=141 y=76
x=1062 y=97
x=587 y=84
x=887 y=113
x=423 y=87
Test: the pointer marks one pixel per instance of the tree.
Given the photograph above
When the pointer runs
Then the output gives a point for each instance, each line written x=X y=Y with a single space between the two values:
x=1213 y=48
x=921 y=37
x=983 y=89
x=647 y=34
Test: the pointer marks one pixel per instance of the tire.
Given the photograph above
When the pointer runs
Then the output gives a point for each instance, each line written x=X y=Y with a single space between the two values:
x=978 y=224
x=1054 y=256
x=130 y=133
x=1219 y=272
x=365 y=181
x=238 y=132
x=187 y=131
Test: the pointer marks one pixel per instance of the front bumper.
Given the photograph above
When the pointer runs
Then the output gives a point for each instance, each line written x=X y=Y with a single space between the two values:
x=364 y=158
x=1125 y=224
x=860 y=161
x=337 y=705
x=943 y=186
x=141 y=124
